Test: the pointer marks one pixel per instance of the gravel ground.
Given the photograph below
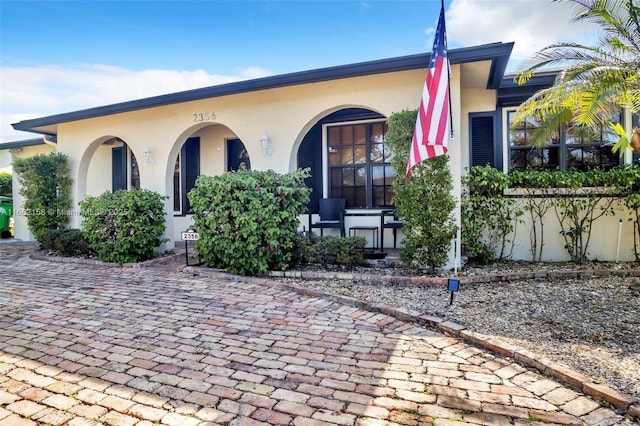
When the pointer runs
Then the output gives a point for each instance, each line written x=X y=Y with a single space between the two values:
x=591 y=325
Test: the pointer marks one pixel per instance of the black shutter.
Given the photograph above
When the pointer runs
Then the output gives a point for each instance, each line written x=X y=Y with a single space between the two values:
x=482 y=140
x=190 y=157
x=310 y=155
x=118 y=168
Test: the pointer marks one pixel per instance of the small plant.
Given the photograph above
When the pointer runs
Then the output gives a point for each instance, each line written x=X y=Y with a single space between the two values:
x=586 y=197
x=124 y=226
x=67 y=242
x=342 y=252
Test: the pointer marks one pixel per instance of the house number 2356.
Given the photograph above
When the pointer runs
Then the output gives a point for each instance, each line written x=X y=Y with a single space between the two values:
x=203 y=116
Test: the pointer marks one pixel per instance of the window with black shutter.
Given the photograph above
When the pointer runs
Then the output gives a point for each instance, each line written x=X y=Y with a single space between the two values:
x=482 y=137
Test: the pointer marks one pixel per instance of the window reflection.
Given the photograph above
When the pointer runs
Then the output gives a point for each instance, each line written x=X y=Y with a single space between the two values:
x=359 y=163
x=579 y=147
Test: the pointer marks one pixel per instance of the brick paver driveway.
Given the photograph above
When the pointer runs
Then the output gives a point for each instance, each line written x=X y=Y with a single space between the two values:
x=86 y=345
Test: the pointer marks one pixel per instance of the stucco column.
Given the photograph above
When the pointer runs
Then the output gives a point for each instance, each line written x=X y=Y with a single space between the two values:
x=154 y=177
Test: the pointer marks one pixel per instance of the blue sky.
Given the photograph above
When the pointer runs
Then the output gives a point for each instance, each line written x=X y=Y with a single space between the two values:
x=59 y=56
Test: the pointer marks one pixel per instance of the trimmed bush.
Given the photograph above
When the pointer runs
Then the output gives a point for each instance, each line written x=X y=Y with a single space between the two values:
x=248 y=219
x=67 y=242
x=46 y=187
x=124 y=226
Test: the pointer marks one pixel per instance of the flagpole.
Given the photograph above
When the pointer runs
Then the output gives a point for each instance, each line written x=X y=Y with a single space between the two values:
x=446 y=43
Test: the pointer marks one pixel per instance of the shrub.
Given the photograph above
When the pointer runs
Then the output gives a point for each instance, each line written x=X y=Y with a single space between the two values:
x=425 y=203
x=67 y=242
x=488 y=217
x=46 y=187
x=342 y=252
x=6 y=185
x=248 y=219
x=124 y=226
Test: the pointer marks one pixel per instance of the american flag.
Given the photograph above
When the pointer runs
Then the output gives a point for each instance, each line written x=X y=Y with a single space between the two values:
x=430 y=135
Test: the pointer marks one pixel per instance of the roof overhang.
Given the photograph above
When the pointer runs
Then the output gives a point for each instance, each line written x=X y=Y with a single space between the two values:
x=21 y=144
x=497 y=53
x=511 y=93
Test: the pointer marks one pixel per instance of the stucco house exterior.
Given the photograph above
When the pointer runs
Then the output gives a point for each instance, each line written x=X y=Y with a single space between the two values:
x=332 y=120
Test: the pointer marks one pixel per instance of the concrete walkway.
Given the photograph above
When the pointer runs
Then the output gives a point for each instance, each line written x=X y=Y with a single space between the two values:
x=90 y=345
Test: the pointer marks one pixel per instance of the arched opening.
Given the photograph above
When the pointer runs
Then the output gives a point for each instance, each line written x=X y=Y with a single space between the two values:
x=109 y=165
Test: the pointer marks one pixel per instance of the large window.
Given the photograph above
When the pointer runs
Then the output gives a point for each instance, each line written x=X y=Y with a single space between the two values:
x=360 y=165
x=567 y=148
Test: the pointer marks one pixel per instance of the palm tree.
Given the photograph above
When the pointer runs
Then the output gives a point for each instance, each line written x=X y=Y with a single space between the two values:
x=595 y=81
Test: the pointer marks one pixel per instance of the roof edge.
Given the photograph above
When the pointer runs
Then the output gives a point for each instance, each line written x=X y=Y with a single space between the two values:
x=497 y=52
x=21 y=144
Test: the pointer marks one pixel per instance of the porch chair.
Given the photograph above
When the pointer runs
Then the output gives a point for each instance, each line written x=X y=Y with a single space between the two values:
x=331 y=215
x=394 y=224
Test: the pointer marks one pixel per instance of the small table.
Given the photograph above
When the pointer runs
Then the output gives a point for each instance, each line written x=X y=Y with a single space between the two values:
x=374 y=233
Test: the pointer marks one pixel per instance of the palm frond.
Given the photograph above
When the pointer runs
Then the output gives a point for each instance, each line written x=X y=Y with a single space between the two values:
x=596 y=81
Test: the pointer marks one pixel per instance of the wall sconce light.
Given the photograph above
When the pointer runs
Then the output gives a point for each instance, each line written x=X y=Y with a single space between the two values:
x=266 y=147
x=147 y=155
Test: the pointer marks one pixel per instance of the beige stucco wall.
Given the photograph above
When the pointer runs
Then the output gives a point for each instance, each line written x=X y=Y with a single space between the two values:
x=611 y=238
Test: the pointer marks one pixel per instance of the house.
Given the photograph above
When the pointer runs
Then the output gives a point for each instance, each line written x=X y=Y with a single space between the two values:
x=332 y=120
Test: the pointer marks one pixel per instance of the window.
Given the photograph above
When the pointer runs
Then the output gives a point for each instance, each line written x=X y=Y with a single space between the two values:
x=360 y=165
x=567 y=148
x=186 y=171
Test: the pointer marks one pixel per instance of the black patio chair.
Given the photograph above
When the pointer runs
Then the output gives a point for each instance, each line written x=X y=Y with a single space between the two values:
x=394 y=224
x=331 y=215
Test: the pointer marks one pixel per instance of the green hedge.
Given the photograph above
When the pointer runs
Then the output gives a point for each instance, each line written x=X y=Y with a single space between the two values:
x=577 y=199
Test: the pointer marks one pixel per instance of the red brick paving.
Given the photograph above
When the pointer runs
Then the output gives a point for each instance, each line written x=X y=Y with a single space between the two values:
x=86 y=345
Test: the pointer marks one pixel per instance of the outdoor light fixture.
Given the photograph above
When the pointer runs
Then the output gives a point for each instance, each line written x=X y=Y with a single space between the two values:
x=147 y=155
x=266 y=147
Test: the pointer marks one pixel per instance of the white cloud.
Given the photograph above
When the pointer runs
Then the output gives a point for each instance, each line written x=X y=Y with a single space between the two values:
x=30 y=92
x=531 y=24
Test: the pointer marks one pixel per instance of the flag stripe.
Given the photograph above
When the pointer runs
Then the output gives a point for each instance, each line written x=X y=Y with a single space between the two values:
x=430 y=134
